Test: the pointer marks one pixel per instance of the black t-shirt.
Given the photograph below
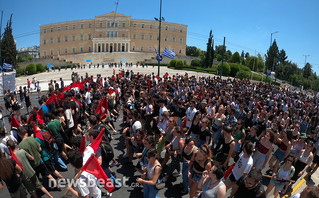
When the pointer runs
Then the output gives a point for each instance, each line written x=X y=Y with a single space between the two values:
x=14 y=182
x=243 y=192
x=181 y=112
x=204 y=134
x=261 y=127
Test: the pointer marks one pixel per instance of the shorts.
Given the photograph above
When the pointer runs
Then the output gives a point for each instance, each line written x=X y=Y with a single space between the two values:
x=221 y=157
x=195 y=137
x=279 y=155
x=196 y=176
x=278 y=184
x=50 y=167
x=42 y=169
x=32 y=184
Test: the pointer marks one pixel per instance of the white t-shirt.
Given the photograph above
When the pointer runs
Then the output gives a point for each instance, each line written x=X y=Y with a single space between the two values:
x=190 y=113
x=161 y=111
x=148 y=108
x=243 y=165
x=295 y=195
x=69 y=117
x=88 y=97
x=137 y=125
x=87 y=181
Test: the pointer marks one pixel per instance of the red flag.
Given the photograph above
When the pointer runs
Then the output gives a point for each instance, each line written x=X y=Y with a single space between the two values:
x=73 y=85
x=81 y=85
x=229 y=170
x=37 y=133
x=92 y=166
x=82 y=146
x=149 y=84
x=30 y=118
x=14 y=122
x=98 y=109
x=40 y=116
x=66 y=88
x=14 y=158
x=95 y=145
x=76 y=101
x=54 y=98
x=103 y=117
x=61 y=96
x=48 y=102
x=105 y=105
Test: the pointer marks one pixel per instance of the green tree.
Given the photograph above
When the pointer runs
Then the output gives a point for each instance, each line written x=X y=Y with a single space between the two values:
x=192 y=51
x=31 y=69
x=226 y=69
x=272 y=56
x=235 y=58
x=282 y=57
x=208 y=58
x=219 y=50
x=227 y=55
x=307 y=70
x=8 y=46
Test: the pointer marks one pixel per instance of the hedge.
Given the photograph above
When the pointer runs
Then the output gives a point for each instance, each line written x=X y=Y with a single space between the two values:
x=226 y=69
x=179 y=64
x=243 y=74
x=234 y=68
x=31 y=69
x=40 y=68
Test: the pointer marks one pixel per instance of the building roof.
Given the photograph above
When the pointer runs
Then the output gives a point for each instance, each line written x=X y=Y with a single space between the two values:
x=112 y=14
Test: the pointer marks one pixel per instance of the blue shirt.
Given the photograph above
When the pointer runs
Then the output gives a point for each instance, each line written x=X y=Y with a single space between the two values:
x=45 y=109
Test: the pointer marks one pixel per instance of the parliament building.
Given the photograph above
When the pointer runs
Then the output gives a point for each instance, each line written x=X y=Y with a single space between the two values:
x=110 y=33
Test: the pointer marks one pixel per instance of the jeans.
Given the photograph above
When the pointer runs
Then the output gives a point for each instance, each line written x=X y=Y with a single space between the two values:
x=105 y=167
x=150 y=191
x=185 y=175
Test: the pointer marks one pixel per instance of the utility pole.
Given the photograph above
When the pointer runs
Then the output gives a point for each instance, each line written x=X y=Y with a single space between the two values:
x=221 y=68
x=159 y=37
x=306 y=58
x=253 y=66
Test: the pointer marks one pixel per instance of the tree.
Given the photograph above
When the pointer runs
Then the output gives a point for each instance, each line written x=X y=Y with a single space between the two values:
x=208 y=58
x=307 y=70
x=192 y=51
x=272 y=56
x=219 y=50
x=227 y=55
x=235 y=58
x=282 y=57
x=8 y=46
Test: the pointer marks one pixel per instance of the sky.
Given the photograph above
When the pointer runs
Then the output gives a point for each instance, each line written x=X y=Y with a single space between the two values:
x=247 y=25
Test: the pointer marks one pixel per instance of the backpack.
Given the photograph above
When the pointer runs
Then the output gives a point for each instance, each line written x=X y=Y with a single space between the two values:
x=106 y=151
x=47 y=136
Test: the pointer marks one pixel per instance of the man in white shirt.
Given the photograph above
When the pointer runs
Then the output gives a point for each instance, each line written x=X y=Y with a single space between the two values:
x=190 y=113
x=162 y=109
x=243 y=165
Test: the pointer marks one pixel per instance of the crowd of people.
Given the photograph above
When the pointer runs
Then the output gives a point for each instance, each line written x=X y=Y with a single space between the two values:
x=218 y=135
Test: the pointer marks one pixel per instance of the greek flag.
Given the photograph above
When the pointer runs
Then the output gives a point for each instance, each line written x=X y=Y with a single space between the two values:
x=7 y=66
x=169 y=53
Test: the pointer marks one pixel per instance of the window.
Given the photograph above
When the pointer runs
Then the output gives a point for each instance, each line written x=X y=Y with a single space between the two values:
x=90 y=25
x=44 y=42
x=81 y=37
x=107 y=34
x=181 y=30
x=166 y=38
x=142 y=48
x=90 y=49
x=115 y=34
x=51 y=40
x=101 y=24
x=82 y=26
x=174 y=39
x=180 y=51
x=44 y=53
x=151 y=26
x=123 y=35
x=66 y=50
x=89 y=37
x=150 y=49
x=44 y=31
x=151 y=37
x=59 y=39
x=51 y=29
x=59 y=29
x=166 y=27
x=134 y=36
x=100 y=35
x=81 y=49
x=143 y=26
x=116 y=24
x=174 y=29
x=73 y=38
x=181 y=40
x=134 y=25
x=51 y=52
x=73 y=50
x=142 y=36
x=108 y=24
x=74 y=26
x=112 y=34
x=123 y=24
x=66 y=39
x=133 y=48
x=66 y=27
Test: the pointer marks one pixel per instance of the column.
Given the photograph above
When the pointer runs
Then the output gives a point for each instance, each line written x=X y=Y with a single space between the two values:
x=93 y=47
x=104 y=47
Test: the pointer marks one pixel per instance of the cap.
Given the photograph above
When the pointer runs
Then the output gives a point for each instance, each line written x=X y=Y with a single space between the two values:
x=204 y=101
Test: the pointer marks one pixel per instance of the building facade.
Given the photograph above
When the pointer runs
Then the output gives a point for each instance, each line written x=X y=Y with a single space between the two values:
x=110 y=32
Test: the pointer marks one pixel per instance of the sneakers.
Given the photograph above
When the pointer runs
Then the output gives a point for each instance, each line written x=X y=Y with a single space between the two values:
x=113 y=164
x=114 y=132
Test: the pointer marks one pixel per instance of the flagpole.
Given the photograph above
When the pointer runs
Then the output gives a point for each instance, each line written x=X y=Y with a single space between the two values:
x=0 y=51
x=159 y=37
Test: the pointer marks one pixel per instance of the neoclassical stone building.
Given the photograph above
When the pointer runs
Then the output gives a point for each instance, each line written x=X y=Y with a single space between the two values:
x=110 y=32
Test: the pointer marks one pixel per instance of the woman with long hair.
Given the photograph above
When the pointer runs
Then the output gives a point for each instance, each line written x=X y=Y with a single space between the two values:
x=10 y=174
x=200 y=162
x=239 y=135
x=212 y=184
x=189 y=151
x=205 y=134
x=263 y=150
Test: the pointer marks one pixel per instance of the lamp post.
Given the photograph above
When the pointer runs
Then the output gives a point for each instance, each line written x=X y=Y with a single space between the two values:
x=269 y=48
x=159 y=36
